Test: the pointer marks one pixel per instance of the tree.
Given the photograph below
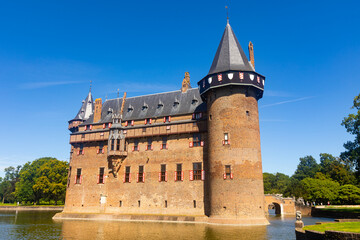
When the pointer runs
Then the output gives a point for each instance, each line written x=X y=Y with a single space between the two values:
x=306 y=168
x=7 y=185
x=336 y=169
x=352 y=125
x=44 y=178
x=275 y=183
x=349 y=194
x=319 y=189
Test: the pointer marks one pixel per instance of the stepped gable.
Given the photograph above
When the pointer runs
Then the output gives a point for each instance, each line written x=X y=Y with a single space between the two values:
x=154 y=105
x=229 y=55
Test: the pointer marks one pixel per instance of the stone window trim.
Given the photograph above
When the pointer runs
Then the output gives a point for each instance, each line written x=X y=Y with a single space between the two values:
x=228 y=173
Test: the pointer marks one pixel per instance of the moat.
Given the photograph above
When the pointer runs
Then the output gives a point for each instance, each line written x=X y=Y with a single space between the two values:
x=39 y=225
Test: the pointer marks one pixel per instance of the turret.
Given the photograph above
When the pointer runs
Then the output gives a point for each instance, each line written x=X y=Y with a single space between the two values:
x=86 y=110
x=231 y=89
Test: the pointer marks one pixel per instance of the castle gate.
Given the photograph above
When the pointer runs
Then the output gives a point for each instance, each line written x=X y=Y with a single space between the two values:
x=283 y=206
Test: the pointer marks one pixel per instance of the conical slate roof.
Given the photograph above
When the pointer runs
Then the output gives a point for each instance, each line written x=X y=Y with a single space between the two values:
x=86 y=109
x=229 y=55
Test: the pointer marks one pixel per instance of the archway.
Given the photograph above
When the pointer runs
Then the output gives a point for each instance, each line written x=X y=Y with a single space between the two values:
x=274 y=208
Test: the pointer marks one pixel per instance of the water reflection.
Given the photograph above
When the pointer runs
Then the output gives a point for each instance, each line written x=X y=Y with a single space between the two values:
x=39 y=225
x=141 y=230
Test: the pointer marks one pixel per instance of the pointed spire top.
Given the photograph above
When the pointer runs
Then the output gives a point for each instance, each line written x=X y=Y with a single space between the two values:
x=90 y=85
x=227 y=14
x=229 y=55
x=118 y=93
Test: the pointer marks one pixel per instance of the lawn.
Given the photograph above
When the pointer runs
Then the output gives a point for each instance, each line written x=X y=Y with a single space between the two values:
x=343 y=227
x=340 y=209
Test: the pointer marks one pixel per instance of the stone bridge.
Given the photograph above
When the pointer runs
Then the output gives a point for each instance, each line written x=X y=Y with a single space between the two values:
x=283 y=206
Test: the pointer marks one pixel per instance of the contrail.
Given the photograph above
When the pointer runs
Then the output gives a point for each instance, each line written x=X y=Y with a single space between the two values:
x=283 y=102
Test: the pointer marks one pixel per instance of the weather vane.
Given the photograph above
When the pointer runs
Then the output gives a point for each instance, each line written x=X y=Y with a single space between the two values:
x=227 y=13
x=90 y=84
x=118 y=93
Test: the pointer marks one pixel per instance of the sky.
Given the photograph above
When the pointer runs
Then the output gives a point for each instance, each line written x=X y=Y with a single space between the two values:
x=309 y=52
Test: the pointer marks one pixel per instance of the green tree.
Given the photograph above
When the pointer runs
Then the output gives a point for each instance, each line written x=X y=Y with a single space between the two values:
x=352 y=125
x=336 y=169
x=306 y=168
x=349 y=194
x=320 y=189
x=275 y=183
x=7 y=185
x=44 y=178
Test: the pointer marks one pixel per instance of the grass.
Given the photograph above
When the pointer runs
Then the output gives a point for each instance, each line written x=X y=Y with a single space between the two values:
x=7 y=204
x=340 y=209
x=342 y=227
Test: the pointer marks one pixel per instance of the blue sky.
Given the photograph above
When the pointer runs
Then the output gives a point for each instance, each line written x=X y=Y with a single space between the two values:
x=309 y=52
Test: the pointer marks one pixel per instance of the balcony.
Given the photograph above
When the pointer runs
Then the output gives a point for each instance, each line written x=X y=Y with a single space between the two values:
x=116 y=153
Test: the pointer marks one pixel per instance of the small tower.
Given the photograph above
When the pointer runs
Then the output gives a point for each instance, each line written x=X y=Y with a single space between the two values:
x=86 y=110
x=234 y=186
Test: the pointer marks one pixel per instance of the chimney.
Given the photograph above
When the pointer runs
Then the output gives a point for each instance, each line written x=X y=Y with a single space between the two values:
x=97 y=112
x=251 y=54
x=185 y=83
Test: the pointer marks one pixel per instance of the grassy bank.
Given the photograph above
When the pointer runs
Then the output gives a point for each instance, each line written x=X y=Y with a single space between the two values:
x=340 y=209
x=343 y=227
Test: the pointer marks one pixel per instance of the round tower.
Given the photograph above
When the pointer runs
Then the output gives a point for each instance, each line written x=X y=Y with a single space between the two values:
x=234 y=183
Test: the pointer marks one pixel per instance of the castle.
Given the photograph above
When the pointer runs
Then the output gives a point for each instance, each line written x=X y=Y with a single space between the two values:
x=188 y=155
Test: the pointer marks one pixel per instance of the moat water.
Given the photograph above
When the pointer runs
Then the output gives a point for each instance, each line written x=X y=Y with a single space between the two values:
x=39 y=225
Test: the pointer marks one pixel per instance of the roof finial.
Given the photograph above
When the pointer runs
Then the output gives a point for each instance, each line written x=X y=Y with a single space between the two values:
x=106 y=97
x=118 y=93
x=90 y=85
x=227 y=14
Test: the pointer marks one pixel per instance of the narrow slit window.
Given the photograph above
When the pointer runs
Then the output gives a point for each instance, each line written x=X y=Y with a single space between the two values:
x=127 y=174
x=112 y=145
x=101 y=175
x=117 y=144
x=179 y=172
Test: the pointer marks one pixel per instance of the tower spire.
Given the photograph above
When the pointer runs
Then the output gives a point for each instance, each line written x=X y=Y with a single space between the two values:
x=90 y=85
x=227 y=14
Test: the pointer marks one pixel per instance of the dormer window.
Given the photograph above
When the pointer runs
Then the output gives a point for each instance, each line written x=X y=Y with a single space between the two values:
x=194 y=101
x=160 y=105
x=144 y=108
x=130 y=109
x=110 y=110
x=176 y=104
